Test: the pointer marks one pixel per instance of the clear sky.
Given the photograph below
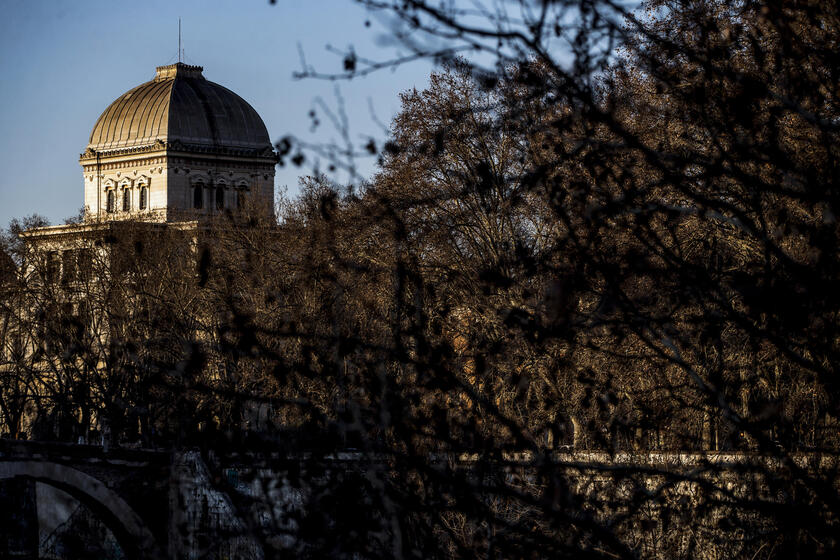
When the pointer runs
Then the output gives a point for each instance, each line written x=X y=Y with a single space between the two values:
x=63 y=62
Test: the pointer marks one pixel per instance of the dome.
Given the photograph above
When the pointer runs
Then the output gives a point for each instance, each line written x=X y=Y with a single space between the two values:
x=179 y=104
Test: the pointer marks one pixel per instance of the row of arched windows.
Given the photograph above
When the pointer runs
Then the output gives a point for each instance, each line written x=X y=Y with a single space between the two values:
x=216 y=198
x=125 y=199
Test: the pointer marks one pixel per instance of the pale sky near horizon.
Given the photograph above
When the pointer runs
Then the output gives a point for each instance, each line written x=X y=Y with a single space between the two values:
x=64 y=62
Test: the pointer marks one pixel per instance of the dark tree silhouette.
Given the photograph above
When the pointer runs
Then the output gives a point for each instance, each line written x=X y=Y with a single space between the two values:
x=585 y=307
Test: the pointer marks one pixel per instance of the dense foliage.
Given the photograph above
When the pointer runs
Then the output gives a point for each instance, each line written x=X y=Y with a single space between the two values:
x=632 y=252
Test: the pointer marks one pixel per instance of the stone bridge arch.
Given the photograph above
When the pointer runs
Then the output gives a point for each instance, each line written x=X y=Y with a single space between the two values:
x=134 y=537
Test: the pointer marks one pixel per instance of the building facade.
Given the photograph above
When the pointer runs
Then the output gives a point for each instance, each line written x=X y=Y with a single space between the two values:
x=176 y=147
x=163 y=158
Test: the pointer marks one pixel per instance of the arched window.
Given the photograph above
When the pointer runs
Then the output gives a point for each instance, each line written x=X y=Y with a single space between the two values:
x=111 y=204
x=220 y=197
x=144 y=197
x=241 y=197
x=198 y=196
x=126 y=196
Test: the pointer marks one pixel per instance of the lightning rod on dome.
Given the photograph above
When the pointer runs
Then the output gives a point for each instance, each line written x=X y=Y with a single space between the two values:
x=179 y=39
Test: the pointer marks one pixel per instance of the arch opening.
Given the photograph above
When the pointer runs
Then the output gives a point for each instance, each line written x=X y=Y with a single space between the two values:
x=135 y=539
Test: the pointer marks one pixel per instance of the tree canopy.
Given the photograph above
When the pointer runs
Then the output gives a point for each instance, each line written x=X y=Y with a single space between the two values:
x=624 y=247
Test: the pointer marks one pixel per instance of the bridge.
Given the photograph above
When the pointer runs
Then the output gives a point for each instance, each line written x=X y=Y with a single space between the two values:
x=141 y=504
x=126 y=492
x=64 y=500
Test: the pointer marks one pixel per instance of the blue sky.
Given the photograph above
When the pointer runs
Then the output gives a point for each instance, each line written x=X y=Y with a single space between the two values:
x=63 y=62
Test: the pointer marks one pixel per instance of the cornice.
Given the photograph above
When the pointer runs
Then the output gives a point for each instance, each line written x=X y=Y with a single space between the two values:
x=96 y=227
x=176 y=162
x=156 y=160
x=176 y=146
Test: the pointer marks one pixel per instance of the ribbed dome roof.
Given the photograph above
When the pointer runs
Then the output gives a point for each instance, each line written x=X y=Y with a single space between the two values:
x=179 y=104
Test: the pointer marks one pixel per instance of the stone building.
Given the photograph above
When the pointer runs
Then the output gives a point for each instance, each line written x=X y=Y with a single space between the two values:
x=163 y=158
x=176 y=149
